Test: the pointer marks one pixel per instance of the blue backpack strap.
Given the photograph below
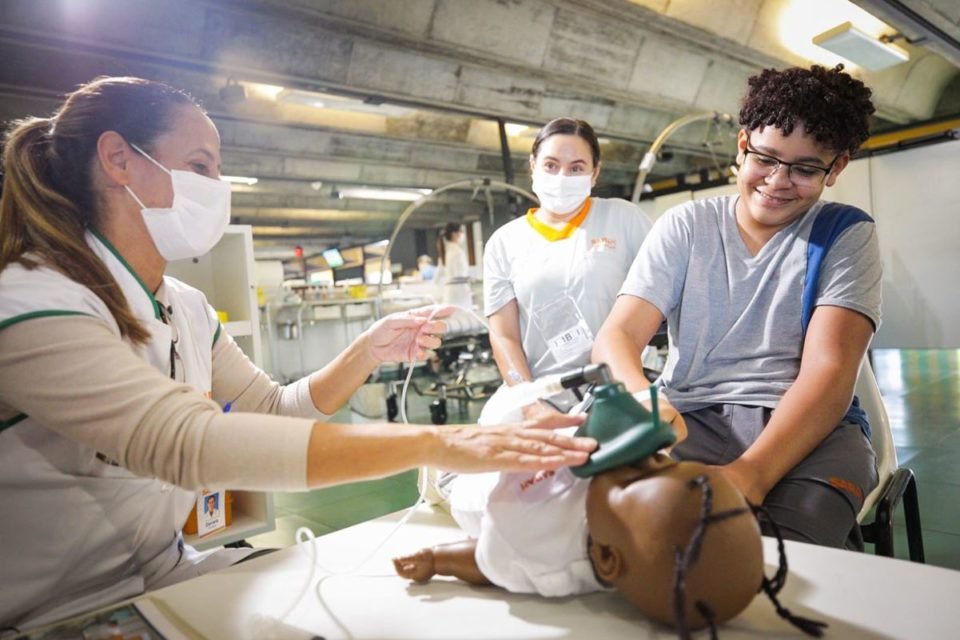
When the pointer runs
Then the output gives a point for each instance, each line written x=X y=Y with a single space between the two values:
x=832 y=220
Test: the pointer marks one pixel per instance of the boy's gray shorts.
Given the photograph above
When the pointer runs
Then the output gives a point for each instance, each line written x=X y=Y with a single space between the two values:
x=819 y=499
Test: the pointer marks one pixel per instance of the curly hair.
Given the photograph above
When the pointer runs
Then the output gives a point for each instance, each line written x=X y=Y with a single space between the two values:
x=832 y=106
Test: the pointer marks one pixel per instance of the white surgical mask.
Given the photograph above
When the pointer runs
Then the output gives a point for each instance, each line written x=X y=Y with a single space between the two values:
x=561 y=194
x=197 y=219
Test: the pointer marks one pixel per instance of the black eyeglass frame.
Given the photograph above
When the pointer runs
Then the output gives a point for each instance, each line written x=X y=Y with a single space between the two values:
x=790 y=165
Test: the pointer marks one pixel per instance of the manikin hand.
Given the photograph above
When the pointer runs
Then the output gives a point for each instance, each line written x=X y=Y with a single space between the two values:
x=457 y=559
x=418 y=567
x=408 y=335
x=540 y=410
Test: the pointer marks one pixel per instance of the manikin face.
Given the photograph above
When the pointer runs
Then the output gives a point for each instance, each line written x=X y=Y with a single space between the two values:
x=770 y=201
x=638 y=515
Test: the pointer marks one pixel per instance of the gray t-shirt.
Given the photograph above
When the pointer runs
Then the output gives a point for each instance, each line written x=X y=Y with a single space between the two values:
x=734 y=318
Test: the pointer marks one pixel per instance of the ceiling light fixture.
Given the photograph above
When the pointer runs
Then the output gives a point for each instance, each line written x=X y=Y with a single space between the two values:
x=375 y=193
x=240 y=180
x=232 y=92
x=514 y=129
x=861 y=48
x=319 y=100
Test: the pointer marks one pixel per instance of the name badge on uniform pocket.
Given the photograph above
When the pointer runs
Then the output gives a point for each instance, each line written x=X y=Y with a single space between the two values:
x=211 y=511
x=563 y=328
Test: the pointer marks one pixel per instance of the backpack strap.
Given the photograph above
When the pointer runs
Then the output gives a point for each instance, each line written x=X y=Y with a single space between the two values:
x=832 y=220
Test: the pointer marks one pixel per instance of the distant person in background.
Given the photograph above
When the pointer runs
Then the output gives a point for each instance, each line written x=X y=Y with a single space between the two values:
x=426 y=267
x=453 y=275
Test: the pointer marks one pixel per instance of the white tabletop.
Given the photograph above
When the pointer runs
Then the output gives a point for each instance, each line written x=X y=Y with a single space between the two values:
x=858 y=595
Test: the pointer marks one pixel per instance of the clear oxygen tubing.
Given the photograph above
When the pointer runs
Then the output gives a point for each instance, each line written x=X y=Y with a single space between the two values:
x=650 y=157
x=527 y=392
x=303 y=534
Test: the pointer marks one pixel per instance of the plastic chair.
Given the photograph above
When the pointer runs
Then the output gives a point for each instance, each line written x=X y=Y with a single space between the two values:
x=896 y=483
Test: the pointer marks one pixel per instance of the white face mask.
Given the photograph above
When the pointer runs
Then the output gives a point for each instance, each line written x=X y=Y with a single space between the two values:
x=196 y=221
x=561 y=194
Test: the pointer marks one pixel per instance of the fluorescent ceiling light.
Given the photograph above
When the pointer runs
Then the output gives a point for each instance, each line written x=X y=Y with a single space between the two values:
x=514 y=129
x=239 y=180
x=860 y=48
x=373 y=193
x=319 y=100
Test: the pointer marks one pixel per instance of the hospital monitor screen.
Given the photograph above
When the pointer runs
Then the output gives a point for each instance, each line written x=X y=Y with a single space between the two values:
x=333 y=258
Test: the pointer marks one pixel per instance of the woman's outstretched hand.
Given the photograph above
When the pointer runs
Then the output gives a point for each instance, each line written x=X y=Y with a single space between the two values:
x=406 y=336
x=529 y=446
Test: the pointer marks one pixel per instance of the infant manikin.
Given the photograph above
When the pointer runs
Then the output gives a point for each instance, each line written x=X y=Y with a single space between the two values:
x=676 y=539
x=647 y=525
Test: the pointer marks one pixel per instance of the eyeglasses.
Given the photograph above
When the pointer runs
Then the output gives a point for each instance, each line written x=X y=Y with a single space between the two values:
x=800 y=174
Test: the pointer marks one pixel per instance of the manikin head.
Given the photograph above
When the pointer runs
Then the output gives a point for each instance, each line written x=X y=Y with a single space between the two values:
x=642 y=520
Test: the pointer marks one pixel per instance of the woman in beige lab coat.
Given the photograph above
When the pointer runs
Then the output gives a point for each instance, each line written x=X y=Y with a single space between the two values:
x=113 y=377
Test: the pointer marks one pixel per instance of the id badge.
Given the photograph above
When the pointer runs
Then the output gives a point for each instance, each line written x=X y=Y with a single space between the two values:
x=563 y=328
x=211 y=511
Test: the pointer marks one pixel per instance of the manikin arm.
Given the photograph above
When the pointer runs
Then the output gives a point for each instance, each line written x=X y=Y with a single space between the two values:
x=455 y=559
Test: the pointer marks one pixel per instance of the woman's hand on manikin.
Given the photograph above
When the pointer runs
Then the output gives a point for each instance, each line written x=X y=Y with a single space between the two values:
x=407 y=335
x=531 y=445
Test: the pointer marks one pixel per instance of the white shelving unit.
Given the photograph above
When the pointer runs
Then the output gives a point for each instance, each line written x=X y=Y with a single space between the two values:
x=226 y=276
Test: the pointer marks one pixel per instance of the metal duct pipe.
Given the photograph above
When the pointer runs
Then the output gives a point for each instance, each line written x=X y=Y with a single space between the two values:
x=650 y=157
x=474 y=183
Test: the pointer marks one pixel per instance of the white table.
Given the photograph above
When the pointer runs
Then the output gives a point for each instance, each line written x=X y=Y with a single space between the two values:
x=859 y=595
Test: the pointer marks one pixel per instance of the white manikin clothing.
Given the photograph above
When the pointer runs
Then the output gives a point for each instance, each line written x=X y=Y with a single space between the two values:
x=107 y=533
x=531 y=530
x=521 y=264
x=453 y=277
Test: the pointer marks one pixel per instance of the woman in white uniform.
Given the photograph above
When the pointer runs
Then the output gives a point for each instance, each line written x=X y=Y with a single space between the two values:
x=113 y=377
x=453 y=275
x=551 y=277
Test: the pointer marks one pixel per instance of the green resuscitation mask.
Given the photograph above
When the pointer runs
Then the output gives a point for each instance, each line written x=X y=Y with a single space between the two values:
x=625 y=430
